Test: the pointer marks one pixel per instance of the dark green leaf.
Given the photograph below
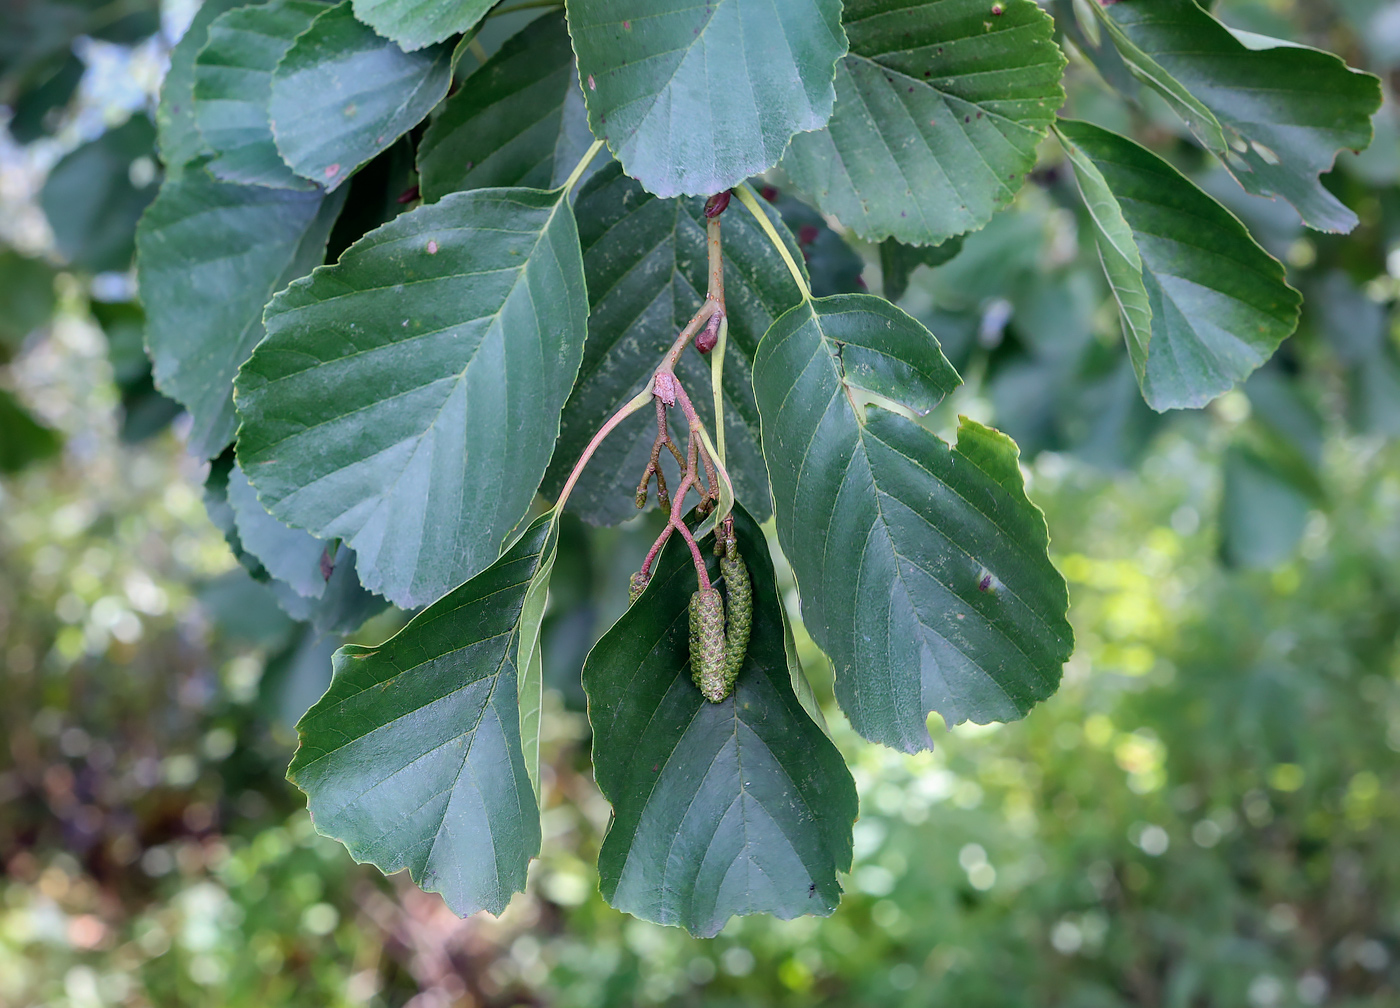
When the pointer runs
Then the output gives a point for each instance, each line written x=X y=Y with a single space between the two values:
x=693 y=100
x=342 y=94
x=26 y=298
x=145 y=411
x=414 y=24
x=23 y=440
x=923 y=568
x=646 y=265
x=407 y=398
x=36 y=109
x=288 y=554
x=517 y=120
x=1286 y=109
x=833 y=267
x=737 y=807
x=1202 y=304
x=233 y=84
x=413 y=759
x=898 y=261
x=90 y=199
x=210 y=254
x=939 y=109
x=180 y=140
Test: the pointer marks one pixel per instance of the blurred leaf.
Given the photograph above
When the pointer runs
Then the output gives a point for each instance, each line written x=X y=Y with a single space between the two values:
x=1202 y=304
x=26 y=298
x=414 y=24
x=1263 y=510
x=233 y=85
x=833 y=267
x=180 y=141
x=417 y=429
x=145 y=411
x=23 y=440
x=645 y=261
x=342 y=94
x=211 y=254
x=939 y=109
x=517 y=120
x=413 y=757
x=737 y=807
x=1315 y=105
x=694 y=100
x=91 y=201
x=37 y=106
x=898 y=261
x=923 y=567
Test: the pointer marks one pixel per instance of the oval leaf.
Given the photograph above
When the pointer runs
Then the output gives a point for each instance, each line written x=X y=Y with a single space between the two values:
x=737 y=807
x=233 y=84
x=1202 y=304
x=923 y=568
x=407 y=398
x=647 y=270
x=209 y=256
x=695 y=99
x=939 y=109
x=412 y=759
x=1287 y=109
x=342 y=94
x=518 y=120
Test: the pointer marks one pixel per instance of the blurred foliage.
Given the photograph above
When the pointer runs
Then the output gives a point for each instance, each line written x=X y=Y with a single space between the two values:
x=1203 y=816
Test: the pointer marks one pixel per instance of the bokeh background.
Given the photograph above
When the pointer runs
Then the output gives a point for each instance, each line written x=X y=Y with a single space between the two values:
x=1206 y=814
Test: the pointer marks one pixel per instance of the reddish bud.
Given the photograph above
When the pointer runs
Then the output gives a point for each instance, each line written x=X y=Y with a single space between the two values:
x=769 y=193
x=706 y=339
x=409 y=195
x=717 y=204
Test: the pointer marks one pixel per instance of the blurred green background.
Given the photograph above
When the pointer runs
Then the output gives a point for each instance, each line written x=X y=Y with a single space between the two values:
x=1206 y=814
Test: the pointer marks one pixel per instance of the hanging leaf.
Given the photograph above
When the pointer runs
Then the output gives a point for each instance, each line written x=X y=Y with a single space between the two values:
x=407 y=398
x=413 y=757
x=518 y=120
x=414 y=24
x=939 y=109
x=91 y=202
x=693 y=100
x=645 y=260
x=179 y=137
x=233 y=84
x=342 y=94
x=1287 y=110
x=923 y=568
x=898 y=262
x=737 y=807
x=209 y=255
x=1202 y=304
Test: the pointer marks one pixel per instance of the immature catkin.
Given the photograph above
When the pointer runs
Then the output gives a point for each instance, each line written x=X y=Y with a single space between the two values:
x=740 y=606
x=707 y=644
x=639 y=585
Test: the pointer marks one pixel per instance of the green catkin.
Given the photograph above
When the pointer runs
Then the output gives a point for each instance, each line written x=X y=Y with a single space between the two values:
x=740 y=605
x=638 y=585
x=707 y=645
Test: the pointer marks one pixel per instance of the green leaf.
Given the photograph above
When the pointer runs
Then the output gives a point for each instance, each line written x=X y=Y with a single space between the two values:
x=342 y=94
x=90 y=200
x=288 y=554
x=693 y=100
x=833 y=267
x=645 y=259
x=898 y=262
x=517 y=120
x=233 y=84
x=1263 y=510
x=1202 y=304
x=414 y=24
x=26 y=298
x=1287 y=109
x=50 y=90
x=939 y=109
x=923 y=568
x=209 y=255
x=178 y=134
x=23 y=440
x=737 y=807
x=145 y=411
x=413 y=760
x=407 y=398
